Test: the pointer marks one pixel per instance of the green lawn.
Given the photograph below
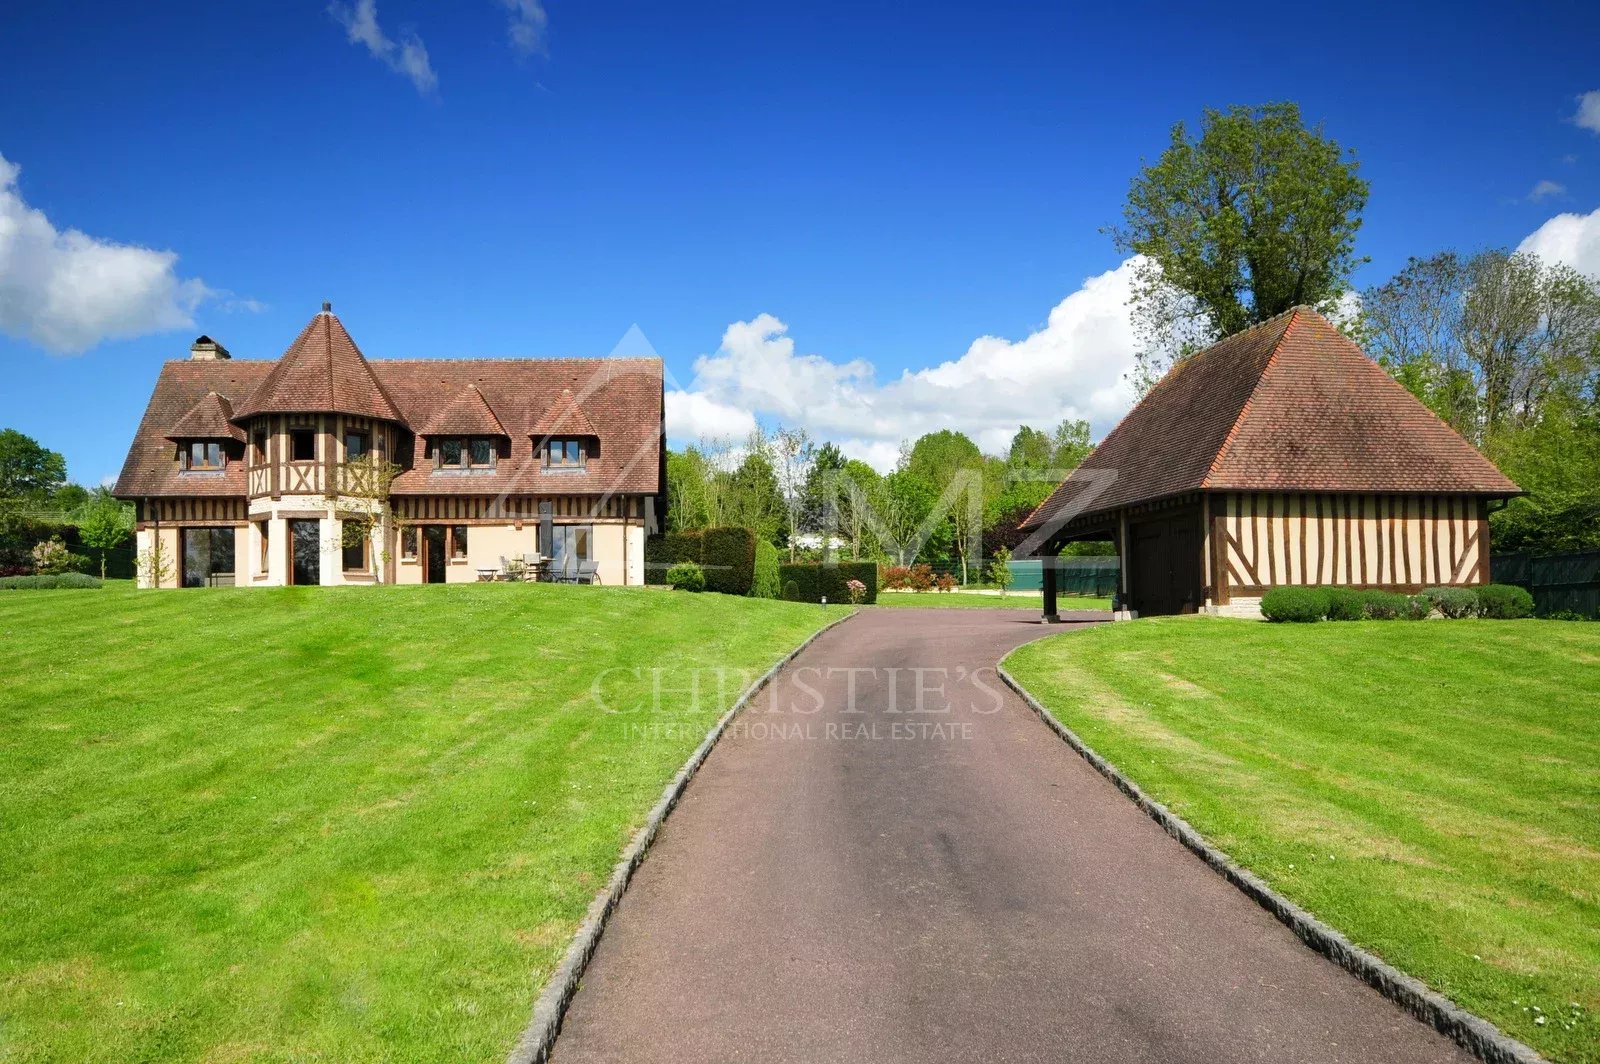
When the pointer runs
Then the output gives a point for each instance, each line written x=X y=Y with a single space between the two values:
x=328 y=824
x=1432 y=790
x=1029 y=600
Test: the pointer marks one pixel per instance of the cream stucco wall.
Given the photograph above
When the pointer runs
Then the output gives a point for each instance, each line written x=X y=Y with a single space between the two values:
x=618 y=549
x=145 y=541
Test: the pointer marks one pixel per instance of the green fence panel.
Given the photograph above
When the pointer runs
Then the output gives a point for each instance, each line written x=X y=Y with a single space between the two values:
x=1559 y=583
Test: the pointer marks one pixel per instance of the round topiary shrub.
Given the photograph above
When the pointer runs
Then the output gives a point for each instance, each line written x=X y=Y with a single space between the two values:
x=1453 y=602
x=791 y=591
x=1505 y=602
x=1295 y=604
x=687 y=576
x=1346 y=604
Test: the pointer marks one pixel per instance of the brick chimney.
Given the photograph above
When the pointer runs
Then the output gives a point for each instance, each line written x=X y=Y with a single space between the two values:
x=205 y=349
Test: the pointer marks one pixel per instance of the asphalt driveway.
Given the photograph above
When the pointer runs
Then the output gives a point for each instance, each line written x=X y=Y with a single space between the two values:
x=892 y=859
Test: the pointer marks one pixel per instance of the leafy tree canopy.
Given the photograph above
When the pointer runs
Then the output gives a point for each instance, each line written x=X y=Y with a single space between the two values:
x=1255 y=215
x=27 y=468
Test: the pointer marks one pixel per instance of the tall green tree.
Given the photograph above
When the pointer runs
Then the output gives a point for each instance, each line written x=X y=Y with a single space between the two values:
x=952 y=467
x=27 y=468
x=790 y=451
x=1488 y=341
x=1255 y=215
x=751 y=495
x=105 y=525
x=1506 y=349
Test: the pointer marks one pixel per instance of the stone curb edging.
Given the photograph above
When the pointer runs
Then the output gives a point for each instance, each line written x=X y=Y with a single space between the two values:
x=539 y=1037
x=1472 y=1032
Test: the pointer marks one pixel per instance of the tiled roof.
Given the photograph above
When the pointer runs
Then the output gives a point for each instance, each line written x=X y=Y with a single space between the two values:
x=468 y=414
x=210 y=418
x=564 y=418
x=1289 y=405
x=322 y=372
x=151 y=467
x=621 y=397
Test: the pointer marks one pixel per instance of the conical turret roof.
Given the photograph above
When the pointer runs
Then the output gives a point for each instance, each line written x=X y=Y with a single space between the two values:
x=322 y=372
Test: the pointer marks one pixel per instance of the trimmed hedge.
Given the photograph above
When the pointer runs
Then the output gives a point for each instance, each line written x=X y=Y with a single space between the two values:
x=1298 y=605
x=765 y=584
x=54 y=582
x=663 y=552
x=1505 y=602
x=812 y=581
x=728 y=556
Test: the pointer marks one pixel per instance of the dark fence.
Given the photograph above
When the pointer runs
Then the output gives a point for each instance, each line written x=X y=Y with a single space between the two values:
x=1560 y=583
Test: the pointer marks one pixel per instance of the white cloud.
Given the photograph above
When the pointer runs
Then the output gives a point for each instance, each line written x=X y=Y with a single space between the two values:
x=1573 y=239
x=695 y=416
x=527 y=23
x=406 y=56
x=1076 y=366
x=1547 y=190
x=1588 y=116
x=67 y=291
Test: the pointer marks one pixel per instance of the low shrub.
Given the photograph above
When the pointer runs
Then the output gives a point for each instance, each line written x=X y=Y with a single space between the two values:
x=1299 y=605
x=1385 y=605
x=1505 y=602
x=791 y=591
x=945 y=582
x=1346 y=604
x=765 y=583
x=920 y=578
x=1418 y=608
x=813 y=582
x=49 y=582
x=1453 y=602
x=52 y=557
x=896 y=577
x=687 y=576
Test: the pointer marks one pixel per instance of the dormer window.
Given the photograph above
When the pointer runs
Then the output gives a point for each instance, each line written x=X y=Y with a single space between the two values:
x=466 y=452
x=569 y=453
x=204 y=456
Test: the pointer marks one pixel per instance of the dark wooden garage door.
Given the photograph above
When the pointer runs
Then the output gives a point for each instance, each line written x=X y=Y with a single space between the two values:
x=1164 y=564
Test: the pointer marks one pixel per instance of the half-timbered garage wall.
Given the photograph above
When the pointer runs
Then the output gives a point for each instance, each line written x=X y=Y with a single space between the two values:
x=1398 y=542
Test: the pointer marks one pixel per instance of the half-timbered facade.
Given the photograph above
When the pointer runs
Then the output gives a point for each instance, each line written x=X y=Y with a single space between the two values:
x=1281 y=455
x=246 y=472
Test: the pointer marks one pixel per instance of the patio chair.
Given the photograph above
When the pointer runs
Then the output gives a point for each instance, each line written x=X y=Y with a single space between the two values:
x=568 y=574
x=588 y=572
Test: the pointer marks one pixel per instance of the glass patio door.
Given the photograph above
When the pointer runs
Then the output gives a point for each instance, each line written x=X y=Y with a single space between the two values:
x=305 y=541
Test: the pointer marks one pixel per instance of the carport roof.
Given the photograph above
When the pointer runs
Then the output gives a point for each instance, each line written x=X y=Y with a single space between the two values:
x=1291 y=404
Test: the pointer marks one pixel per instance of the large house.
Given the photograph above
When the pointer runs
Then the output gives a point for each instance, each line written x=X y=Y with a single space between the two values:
x=242 y=471
x=1281 y=455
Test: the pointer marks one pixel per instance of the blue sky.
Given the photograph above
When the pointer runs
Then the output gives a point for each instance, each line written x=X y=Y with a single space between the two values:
x=816 y=214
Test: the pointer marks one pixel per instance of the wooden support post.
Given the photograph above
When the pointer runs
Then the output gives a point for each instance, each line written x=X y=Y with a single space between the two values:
x=1048 y=566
